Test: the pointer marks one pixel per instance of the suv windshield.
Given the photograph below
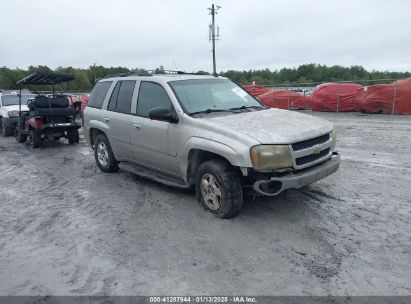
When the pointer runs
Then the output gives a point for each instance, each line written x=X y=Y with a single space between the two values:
x=212 y=95
x=9 y=100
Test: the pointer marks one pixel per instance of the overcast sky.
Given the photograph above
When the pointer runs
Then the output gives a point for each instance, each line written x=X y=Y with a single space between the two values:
x=254 y=34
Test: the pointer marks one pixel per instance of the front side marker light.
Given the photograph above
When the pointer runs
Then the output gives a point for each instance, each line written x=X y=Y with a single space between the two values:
x=334 y=137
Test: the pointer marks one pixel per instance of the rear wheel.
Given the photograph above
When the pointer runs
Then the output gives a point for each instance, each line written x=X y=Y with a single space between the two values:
x=21 y=138
x=104 y=155
x=219 y=188
x=35 y=137
x=73 y=137
x=6 y=130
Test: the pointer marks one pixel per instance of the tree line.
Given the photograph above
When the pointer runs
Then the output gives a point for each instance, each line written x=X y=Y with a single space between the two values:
x=306 y=73
x=311 y=73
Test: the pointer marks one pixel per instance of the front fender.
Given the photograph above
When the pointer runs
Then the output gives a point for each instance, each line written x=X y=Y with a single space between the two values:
x=239 y=158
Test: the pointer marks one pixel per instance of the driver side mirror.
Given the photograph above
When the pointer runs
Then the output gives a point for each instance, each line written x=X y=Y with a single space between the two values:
x=162 y=114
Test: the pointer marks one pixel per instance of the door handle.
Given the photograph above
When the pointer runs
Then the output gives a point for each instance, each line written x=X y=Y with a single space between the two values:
x=106 y=119
x=137 y=126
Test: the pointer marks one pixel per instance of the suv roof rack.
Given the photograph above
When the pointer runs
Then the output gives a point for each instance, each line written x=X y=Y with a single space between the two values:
x=171 y=72
x=125 y=74
x=151 y=73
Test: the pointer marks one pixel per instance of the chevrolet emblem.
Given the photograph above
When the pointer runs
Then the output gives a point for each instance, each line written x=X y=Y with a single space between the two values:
x=317 y=149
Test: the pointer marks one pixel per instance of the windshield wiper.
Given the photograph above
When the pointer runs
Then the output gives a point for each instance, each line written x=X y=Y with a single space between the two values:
x=248 y=107
x=210 y=111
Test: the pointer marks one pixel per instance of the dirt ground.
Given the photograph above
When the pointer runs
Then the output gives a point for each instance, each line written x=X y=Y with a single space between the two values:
x=68 y=229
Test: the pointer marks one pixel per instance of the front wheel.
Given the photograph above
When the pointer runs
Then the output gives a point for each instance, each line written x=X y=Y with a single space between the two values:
x=219 y=189
x=73 y=137
x=104 y=155
x=35 y=137
x=20 y=138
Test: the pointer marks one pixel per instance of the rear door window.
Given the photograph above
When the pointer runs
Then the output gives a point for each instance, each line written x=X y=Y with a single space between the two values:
x=151 y=95
x=113 y=99
x=121 y=98
x=124 y=96
x=98 y=94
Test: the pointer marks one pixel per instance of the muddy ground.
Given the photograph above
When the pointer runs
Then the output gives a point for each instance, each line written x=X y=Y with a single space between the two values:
x=68 y=229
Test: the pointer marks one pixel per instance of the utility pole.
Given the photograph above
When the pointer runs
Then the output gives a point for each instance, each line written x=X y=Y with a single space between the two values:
x=213 y=36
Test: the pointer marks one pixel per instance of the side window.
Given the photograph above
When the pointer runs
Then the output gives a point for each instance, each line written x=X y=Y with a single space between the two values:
x=120 y=100
x=98 y=94
x=151 y=95
x=124 y=96
x=113 y=99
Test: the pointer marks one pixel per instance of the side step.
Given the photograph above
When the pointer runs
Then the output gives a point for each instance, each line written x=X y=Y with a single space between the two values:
x=160 y=177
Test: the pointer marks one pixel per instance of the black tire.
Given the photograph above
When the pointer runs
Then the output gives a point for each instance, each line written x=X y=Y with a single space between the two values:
x=229 y=186
x=35 y=137
x=20 y=138
x=6 y=131
x=107 y=162
x=73 y=137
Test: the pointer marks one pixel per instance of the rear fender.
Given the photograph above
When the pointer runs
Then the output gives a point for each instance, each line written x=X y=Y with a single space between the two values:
x=96 y=125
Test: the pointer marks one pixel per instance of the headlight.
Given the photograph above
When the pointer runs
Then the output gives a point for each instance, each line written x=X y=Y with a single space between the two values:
x=13 y=113
x=334 y=138
x=270 y=157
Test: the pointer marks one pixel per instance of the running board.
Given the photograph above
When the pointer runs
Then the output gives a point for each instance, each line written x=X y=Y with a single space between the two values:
x=154 y=175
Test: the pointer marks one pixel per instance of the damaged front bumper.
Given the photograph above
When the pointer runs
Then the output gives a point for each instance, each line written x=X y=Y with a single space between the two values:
x=275 y=185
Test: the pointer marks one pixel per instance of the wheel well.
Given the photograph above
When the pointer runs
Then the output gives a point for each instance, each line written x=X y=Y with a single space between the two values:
x=195 y=158
x=93 y=134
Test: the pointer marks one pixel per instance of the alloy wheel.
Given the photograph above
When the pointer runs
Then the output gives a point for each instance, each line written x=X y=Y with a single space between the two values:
x=211 y=191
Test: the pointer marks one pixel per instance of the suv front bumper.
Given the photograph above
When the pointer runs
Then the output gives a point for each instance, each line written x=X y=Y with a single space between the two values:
x=275 y=185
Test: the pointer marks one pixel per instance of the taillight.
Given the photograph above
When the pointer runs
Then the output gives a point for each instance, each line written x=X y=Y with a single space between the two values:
x=38 y=122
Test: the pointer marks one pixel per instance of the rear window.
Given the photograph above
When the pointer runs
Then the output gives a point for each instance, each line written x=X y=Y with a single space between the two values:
x=98 y=94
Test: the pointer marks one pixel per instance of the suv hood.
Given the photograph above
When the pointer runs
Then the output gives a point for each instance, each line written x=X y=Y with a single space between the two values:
x=275 y=126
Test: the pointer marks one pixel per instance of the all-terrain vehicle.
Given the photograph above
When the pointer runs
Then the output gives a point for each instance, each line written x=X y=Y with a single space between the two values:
x=48 y=117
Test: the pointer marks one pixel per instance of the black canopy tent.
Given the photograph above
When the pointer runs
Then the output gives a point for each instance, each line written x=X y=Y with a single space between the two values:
x=45 y=78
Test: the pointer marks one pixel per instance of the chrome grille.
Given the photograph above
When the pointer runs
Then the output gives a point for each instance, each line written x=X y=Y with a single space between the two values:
x=300 y=161
x=310 y=142
x=311 y=151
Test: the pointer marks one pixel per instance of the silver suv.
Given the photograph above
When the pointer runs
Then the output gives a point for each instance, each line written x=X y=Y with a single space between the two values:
x=190 y=130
